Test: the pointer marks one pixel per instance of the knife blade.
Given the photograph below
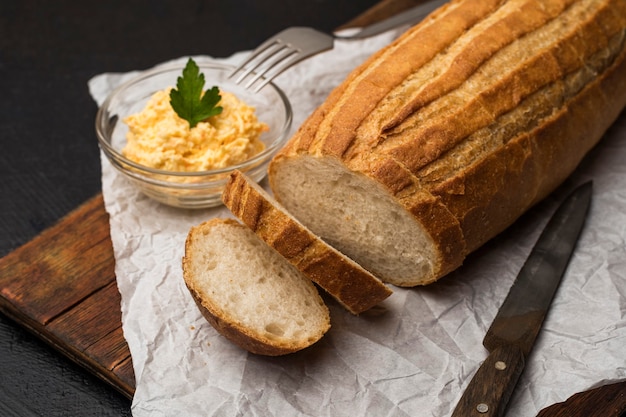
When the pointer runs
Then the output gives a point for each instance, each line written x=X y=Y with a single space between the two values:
x=512 y=334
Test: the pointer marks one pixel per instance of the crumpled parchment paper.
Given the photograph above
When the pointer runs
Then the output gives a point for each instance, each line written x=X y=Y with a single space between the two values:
x=411 y=356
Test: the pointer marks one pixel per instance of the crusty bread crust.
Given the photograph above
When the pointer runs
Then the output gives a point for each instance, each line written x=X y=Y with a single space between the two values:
x=468 y=119
x=351 y=285
x=209 y=286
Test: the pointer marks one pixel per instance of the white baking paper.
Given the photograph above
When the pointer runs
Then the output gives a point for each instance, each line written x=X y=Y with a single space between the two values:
x=411 y=356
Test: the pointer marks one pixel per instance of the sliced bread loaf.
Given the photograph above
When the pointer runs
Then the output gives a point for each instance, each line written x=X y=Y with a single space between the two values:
x=249 y=293
x=351 y=285
x=442 y=139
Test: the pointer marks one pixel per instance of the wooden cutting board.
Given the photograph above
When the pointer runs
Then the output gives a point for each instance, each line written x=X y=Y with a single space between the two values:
x=62 y=287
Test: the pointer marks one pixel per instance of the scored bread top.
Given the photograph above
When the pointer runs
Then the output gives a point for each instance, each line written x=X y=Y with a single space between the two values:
x=472 y=116
x=351 y=285
x=249 y=293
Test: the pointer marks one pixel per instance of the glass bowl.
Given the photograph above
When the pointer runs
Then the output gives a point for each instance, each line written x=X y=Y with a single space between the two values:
x=188 y=189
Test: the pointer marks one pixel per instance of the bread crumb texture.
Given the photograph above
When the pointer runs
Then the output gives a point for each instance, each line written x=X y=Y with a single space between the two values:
x=249 y=292
x=342 y=278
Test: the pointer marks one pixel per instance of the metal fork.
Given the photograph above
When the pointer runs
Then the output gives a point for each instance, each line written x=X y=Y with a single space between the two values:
x=295 y=44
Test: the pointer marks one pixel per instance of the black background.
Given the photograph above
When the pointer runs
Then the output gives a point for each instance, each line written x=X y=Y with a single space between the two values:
x=49 y=159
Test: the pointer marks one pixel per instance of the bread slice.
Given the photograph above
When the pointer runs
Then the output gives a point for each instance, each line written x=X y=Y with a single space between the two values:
x=442 y=139
x=351 y=285
x=249 y=293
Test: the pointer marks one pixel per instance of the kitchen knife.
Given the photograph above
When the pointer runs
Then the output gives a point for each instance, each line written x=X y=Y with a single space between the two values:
x=510 y=338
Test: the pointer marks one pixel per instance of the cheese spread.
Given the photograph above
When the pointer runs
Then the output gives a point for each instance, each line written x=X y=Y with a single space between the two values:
x=159 y=138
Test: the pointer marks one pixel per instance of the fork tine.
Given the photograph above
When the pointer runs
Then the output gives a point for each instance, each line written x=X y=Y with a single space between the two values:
x=280 y=52
x=280 y=58
x=275 y=70
x=252 y=57
x=270 y=55
x=260 y=49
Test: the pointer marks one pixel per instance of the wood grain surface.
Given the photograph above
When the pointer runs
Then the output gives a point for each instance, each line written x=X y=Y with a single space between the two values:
x=62 y=287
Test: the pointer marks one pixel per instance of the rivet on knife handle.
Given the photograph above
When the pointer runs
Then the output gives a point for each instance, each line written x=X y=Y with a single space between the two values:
x=492 y=385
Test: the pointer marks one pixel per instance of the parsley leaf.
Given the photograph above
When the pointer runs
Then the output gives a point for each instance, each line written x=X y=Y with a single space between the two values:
x=187 y=99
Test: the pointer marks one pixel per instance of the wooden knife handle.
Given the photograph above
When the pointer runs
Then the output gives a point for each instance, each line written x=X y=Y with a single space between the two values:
x=606 y=401
x=489 y=391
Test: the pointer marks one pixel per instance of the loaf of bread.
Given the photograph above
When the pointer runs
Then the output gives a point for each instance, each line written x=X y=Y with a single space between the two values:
x=351 y=285
x=444 y=138
x=249 y=293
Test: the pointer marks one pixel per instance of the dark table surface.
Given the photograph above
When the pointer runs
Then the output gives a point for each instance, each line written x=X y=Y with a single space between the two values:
x=49 y=158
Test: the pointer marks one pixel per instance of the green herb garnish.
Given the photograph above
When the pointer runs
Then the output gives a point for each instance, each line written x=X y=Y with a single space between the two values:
x=187 y=99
